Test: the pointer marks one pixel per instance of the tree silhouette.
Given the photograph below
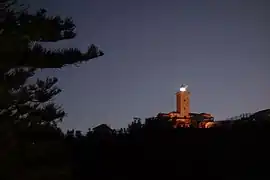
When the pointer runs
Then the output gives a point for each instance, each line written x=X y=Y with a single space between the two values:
x=28 y=114
x=22 y=55
x=154 y=148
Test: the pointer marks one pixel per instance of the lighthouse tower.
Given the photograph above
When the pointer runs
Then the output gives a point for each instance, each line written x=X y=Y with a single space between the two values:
x=182 y=102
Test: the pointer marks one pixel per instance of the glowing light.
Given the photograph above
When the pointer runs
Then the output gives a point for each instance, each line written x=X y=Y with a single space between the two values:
x=183 y=88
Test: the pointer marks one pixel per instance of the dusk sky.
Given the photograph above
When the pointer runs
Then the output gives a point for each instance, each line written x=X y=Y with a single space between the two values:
x=220 y=48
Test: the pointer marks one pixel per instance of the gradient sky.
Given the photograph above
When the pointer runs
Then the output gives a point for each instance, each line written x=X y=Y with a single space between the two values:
x=220 y=48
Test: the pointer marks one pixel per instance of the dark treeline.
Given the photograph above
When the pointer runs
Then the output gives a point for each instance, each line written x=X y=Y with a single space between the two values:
x=33 y=147
x=152 y=149
x=156 y=149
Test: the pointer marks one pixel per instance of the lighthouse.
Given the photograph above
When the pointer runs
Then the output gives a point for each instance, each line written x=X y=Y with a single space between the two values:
x=182 y=101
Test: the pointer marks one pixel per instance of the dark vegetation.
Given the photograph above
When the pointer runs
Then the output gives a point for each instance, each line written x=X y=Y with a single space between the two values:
x=33 y=147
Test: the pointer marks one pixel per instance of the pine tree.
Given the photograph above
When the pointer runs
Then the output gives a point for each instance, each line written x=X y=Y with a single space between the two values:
x=27 y=111
x=21 y=55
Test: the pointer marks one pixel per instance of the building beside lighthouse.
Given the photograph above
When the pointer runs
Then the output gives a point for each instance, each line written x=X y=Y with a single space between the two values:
x=183 y=117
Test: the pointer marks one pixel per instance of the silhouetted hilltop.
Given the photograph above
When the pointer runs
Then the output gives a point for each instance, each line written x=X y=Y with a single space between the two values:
x=156 y=149
x=150 y=149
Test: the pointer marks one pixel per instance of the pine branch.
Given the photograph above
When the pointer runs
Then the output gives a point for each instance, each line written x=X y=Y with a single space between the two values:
x=40 y=27
x=36 y=27
x=20 y=29
x=48 y=114
x=15 y=78
x=40 y=57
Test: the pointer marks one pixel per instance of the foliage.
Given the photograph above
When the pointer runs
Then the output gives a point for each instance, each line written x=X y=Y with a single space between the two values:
x=28 y=115
x=155 y=149
x=22 y=54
